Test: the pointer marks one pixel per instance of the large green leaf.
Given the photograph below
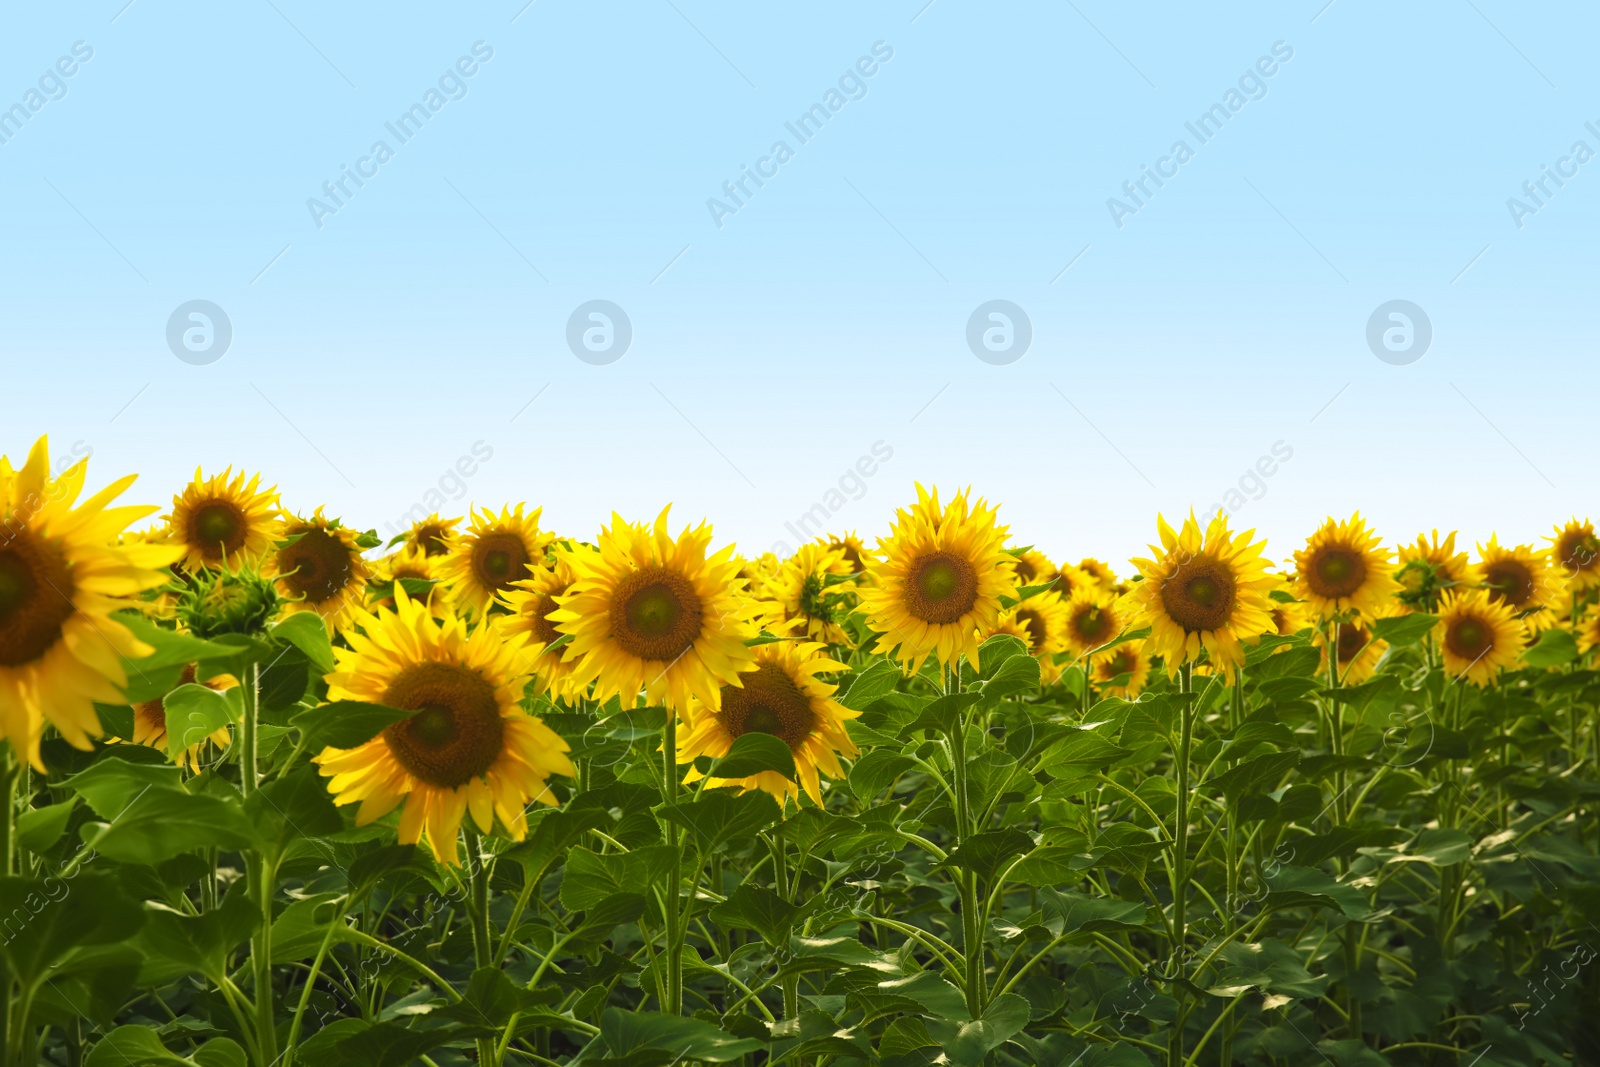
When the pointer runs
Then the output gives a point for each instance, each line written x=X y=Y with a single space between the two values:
x=162 y=823
x=626 y=1033
x=344 y=724
x=590 y=878
x=198 y=943
x=754 y=907
x=753 y=753
x=968 y=1042
x=44 y=919
x=195 y=712
x=719 y=816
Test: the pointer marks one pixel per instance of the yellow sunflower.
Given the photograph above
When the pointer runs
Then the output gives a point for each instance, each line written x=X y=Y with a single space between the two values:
x=1477 y=635
x=431 y=536
x=1093 y=618
x=1099 y=573
x=806 y=589
x=1358 y=652
x=150 y=720
x=851 y=547
x=1344 y=570
x=63 y=573
x=1202 y=594
x=531 y=602
x=1576 y=552
x=1121 y=671
x=650 y=612
x=784 y=697
x=409 y=564
x=1034 y=568
x=1288 y=614
x=495 y=553
x=1040 y=623
x=224 y=520
x=938 y=580
x=1426 y=568
x=1523 y=579
x=1589 y=630
x=469 y=748
x=319 y=568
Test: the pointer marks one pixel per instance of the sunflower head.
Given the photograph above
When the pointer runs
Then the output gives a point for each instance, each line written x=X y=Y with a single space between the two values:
x=1576 y=552
x=410 y=567
x=430 y=536
x=1588 y=632
x=530 y=604
x=1288 y=614
x=224 y=521
x=320 y=568
x=1099 y=573
x=1358 y=651
x=494 y=553
x=228 y=602
x=1202 y=593
x=653 y=613
x=784 y=697
x=1521 y=578
x=1344 y=571
x=1426 y=568
x=812 y=588
x=150 y=721
x=468 y=748
x=937 y=584
x=1094 y=617
x=1121 y=671
x=1040 y=622
x=850 y=547
x=1478 y=636
x=65 y=570
x=1033 y=568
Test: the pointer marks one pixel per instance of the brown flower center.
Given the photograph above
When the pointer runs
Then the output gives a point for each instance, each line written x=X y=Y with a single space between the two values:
x=538 y=610
x=498 y=559
x=1026 y=571
x=942 y=588
x=1200 y=595
x=1578 y=550
x=1509 y=581
x=1093 y=624
x=456 y=733
x=36 y=591
x=769 y=702
x=217 y=528
x=1034 y=622
x=1121 y=662
x=430 y=538
x=656 y=614
x=1469 y=637
x=316 y=567
x=1336 y=572
x=1352 y=639
x=852 y=555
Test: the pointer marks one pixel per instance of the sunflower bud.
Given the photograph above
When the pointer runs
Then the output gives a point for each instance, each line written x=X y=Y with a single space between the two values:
x=223 y=602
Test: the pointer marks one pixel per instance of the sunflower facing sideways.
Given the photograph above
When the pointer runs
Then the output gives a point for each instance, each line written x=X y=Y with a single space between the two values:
x=530 y=603
x=1288 y=614
x=653 y=613
x=1522 y=578
x=1202 y=594
x=1098 y=572
x=494 y=553
x=1575 y=551
x=851 y=547
x=468 y=749
x=319 y=568
x=811 y=587
x=1344 y=570
x=938 y=580
x=62 y=577
x=1121 y=671
x=410 y=564
x=430 y=536
x=1426 y=568
x=1478 y=636
x=784 y=697
x=224 y=521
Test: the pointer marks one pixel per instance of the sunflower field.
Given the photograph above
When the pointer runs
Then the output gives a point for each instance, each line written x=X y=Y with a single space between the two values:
x=278 y=793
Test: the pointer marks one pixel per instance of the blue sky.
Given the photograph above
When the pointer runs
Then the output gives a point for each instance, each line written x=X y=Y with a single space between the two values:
x=375 y=345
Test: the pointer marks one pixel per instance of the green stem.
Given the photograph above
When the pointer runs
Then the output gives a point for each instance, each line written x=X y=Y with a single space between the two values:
x=1180 y=873
x=966 y=881
x=478 y=914
x=261 y=874
x=311 y=982
x=673 y=1002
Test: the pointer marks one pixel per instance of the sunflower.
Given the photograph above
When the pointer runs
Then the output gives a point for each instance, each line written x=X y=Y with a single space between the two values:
x=1093 y=618
x=1426 y=568
x=1034 y=568
x=319 y=568
x=1344 y=570
x=410 y=564
x=1358 y=652
x=430 y=536
x=1478 y=635
x=1576 y=551
x=62 y=576
x=150 y=720
x=1203 y=593
x=495 y=553
x=1121 y=671
x=1523 y=579
x=784 y=697
x=469 y=748
x=224 y=520
x=809 y=587
x=1288 y=614
x=1588 y=632
x=1098 y=572
x=1040 y=622
x=851 y=547
x=938 y=580
x=531 y=603
x=653 y=613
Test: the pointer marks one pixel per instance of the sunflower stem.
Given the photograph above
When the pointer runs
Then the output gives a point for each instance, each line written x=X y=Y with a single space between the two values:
x=478 y=912
x=8 y=830
x=1180 y=874
x=967 y=881
x=260 y=874
x=669 y=794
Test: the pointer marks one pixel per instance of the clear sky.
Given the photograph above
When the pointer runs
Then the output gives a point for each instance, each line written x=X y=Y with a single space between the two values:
x=934 y=157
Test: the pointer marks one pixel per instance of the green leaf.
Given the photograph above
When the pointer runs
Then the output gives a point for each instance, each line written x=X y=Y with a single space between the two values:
x=172 y=649
x=719 y=815
x=133 y=1046
x=968 y=1043
x=753 y=753
x=684 y=1037
x=943 y=713
x=870 y=684
x=196 y=942
x=294 y=808
x=875 y=771
x=361 y=1043
x=163 y=823
x=753 y=907
x=1078 y=753
x=1253 y=774
x=590 y=878
x=344 y=724
x=491 y=999
x=989 y=852
x=306 y=631
x=1078 y=912
x=195 y=712
x=551 y=836
x=1403 y=630
x=40 y=828
x=1555 y=648
x=935 y=995
x=46 y=918
x=110 y=784
x=1018 y=674
x=1438 y=848
x=300 y=928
